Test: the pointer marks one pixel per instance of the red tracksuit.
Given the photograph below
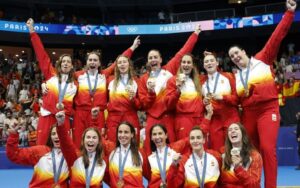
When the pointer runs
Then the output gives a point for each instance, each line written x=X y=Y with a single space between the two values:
x=261 y=109
x=184 y=175
x=188 y=107
x=243 y=178
x=75 y=163
x=151 y=169
x=121 y=108
x=83 y=100
x=48 y=110
x=154 y=103
x=40 y=157
x=225 y=111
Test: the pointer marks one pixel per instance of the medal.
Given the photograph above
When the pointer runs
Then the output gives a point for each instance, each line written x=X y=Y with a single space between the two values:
x=60 y=106
x=55 y=185
x=120 y=183
x=246 y=93
x=61 y=94
x=163 y=185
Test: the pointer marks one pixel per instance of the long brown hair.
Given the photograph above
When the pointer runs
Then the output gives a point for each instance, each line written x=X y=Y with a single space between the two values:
x=194 y=74
x=245 y=152
x=99 y=148
x=136 y=159
x=58 y=68
x=49 y=142
x=130 y=73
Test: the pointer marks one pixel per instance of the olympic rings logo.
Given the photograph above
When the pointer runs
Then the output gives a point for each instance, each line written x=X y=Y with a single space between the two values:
x=132 y=29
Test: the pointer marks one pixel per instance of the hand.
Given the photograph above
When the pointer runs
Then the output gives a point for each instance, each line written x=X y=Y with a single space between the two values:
x=236 y=160
x=103 y=132
x=151 y=84
x=95 y=111
x=198 y=29
x=60 y=117
x=209 y=111
x=30 y=24
x=44 y=88
x=205 y=53
x=136 y=43
x=217 y=96
x=291 y=5
x=130 y=91
x=298 y=139
x=176 y=158
x=206 y=100
x=179 y=82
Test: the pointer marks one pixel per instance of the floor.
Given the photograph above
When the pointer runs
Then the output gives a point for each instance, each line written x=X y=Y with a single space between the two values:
x=19 y=178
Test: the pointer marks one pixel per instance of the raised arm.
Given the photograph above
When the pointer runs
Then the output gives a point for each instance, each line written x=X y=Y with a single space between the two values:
x=173 y=65
x=269 y=53
x=176 y=172
x=66 y=144
x=24 y=156
x=128 y=53
x=40 y=52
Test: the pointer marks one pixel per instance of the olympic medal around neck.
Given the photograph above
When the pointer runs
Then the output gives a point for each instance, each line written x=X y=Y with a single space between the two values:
x=60 y=106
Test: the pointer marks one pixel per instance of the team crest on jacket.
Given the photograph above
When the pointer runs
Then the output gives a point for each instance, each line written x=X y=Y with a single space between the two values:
x=222 y=81
x=212 y=163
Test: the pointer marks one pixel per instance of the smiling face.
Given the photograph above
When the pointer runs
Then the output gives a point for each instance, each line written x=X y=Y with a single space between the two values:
x=123 y=64
x=91 y=141
x=210 y=64
x=186 y=65
x=93 y=62
x=197 y=140
x=235 y=135
x=238 y=56
x=159 y=137
x=154 y=60
x=66 y=64
x=124 y=135
x=54 y=138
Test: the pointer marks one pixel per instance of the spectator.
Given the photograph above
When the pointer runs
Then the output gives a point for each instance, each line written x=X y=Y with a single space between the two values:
x=161 y=16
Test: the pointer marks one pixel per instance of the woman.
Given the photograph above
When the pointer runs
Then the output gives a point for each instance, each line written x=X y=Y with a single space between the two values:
x=125 y=161
x=152 y=90
x=242 y=164
x=257 y=92
x=123 y=101
x=184 y=95
x=91 y=99
x=198 y=169
x=161 y=157
x=50 y=168
x=59 y=81
x=87 y=166
x=219 y=90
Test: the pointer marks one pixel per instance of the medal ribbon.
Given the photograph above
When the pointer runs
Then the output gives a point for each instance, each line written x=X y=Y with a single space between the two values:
x=202 y=180
x=245 y=82
x=89 y=176
x=92 y=90
x=122 y=163
x=162 y=170
x=215 y=85
x=58 y=172
x=61 y=93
